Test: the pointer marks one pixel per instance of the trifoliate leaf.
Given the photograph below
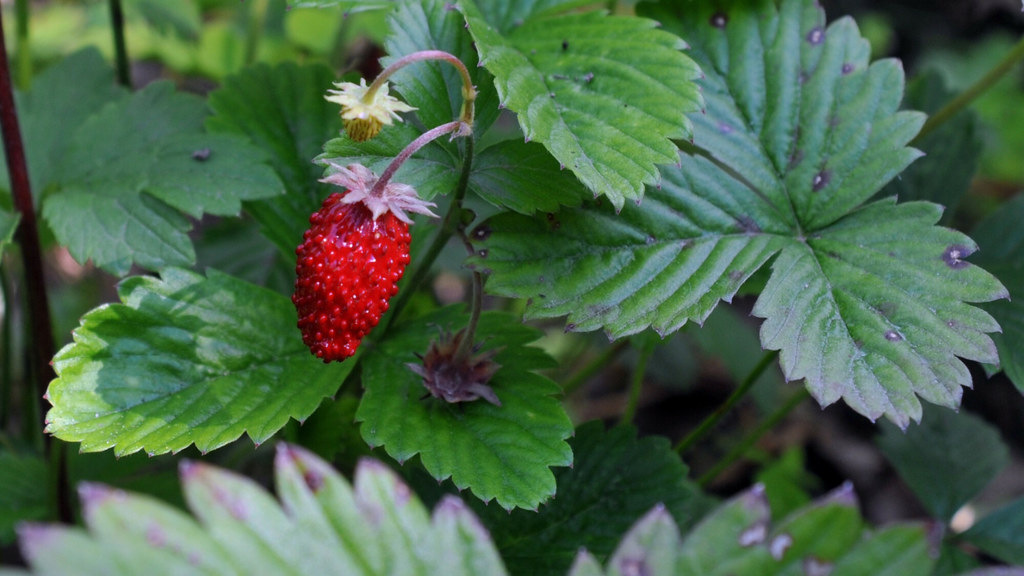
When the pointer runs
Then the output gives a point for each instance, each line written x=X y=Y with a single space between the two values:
x=185 y=359
x=614 y=480
x=8 y=224
x=130 y=171
x=499 y=452
x=947 y=460
x=281 y=110
x=868 y=303
x=523 y=177
x=952 y=151
x=1001 y=238
x=435 y=87
x=23 y=492
x=604 y=94
x=826 y=537
x=62 y=97
x=322 y=525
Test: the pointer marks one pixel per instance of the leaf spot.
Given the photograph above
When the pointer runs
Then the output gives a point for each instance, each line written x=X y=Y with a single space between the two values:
x=847 y=68
x=201 y=155
x=724 y=128
x=482 y=253
x=954 y=256
x=481 y=233
x=816 y=36
x=651 y=239
x=570 y=327
x=633 y=567
x=565 y=45
x=893 y=336
x=779 y=545
x=814 y=567
x=719 y=20
x=753 y=535
x=820 y=180
x=748 y=225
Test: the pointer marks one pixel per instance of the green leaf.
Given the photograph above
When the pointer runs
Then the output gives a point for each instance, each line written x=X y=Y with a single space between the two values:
x=130 y=171
x=23 y=492
x=433 y=87
x=322 y=525
x=8 y=224
x=868 y=303
x=604 y=94
x=523 y=177
x=825 y=537
x=952 y=151
x=62 y=97
x=1001 y=533
x=431 y=171
x=281 y=110
x=1001 y=239
x=183 y=18
x=614 y=480
x=349 y=6
x=499 y=452
x=238 y=248
x=946 y=460
x=185 y=359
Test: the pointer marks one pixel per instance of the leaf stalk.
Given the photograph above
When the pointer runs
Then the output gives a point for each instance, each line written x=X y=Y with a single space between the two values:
x=715 y=417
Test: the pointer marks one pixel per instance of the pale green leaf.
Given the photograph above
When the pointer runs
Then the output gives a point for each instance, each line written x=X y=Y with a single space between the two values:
x=282 y=111
x=604 y=94
x=499 y=452
x=946 y=460
x=321 y=525
x=868 y=303
x=130 y=172
x=182 y=360
x=826 y=537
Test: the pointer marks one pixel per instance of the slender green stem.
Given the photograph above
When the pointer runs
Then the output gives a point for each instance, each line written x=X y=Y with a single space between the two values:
x=720 y=412
x=750 y=439
x=1015 y=55
x=450 y=225
x=637 y=384
x=23 y=46
x=476 y=306
x=606 y=357
x=124 y=71
x=257 y=22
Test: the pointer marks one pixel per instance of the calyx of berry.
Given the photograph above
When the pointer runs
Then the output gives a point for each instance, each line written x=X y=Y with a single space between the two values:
x=363 y=187
x=453 y=373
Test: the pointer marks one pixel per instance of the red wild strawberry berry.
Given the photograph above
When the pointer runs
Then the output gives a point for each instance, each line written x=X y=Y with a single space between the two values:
x=350 y=260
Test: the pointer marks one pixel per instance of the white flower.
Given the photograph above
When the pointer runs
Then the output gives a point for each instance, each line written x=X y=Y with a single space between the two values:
x=364 y=119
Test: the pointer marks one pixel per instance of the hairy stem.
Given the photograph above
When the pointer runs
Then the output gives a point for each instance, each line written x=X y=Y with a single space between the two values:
x=422 y=140
x=711 y=421
x=124 y=72
x=750 y=439
x=1015 y=55
x=636 y=385
x=468 y=91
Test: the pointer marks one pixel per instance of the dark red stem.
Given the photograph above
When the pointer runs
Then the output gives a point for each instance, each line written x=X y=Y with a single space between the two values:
x=28 y=231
